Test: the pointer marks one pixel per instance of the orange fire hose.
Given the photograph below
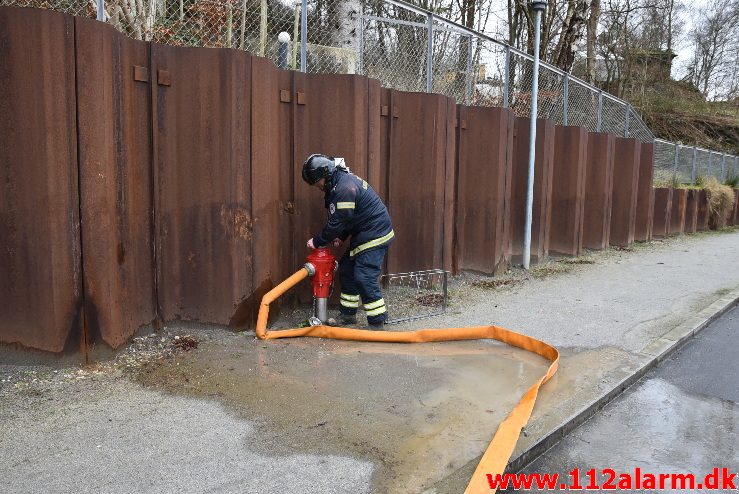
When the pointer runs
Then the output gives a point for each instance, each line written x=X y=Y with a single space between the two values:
x=500 y=449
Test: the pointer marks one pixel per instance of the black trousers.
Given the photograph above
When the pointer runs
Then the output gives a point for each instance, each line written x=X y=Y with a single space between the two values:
x=360 y=278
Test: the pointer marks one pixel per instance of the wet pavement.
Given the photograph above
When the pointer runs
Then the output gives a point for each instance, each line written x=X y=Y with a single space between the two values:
x=682 y=417
x=313 y=416
x=416 y=412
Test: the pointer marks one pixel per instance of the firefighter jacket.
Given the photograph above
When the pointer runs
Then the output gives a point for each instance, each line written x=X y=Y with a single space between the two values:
x=355 y=209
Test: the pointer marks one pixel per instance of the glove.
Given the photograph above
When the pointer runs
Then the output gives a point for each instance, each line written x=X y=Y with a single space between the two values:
x=310 y=243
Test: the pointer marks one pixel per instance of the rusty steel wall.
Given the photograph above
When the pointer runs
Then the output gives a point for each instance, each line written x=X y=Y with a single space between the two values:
x=625 y=188
x=40 y=254
x=331 y=118
x=542 y=207
x=568 y=190
x=662 y=211
x=645 y=194
x=273 y=204
x=691 y=211
x=202 y=169
x=114 y=115
x=483 y=187
x=419 y=176
x=703 y=214
x=186 y=202
x=677 y=215
x=598 y=190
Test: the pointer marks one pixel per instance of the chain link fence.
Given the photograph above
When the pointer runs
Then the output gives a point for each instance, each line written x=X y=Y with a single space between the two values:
x=405 y=47
x=677 y=164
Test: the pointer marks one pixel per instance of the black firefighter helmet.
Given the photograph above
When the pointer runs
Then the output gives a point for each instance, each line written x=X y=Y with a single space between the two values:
x=318 y=166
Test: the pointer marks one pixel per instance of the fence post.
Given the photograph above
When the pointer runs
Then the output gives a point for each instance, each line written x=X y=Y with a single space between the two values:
x=430 y=53
x=304 y=36
x=599 y=122
x=692 y=175
x=360 y=61
x=566 y=99
x=262 y=28
x=674 y=165
x=470 y=78
x=710 y=156
x=506 y=82
x=626 y=120
x=723 y=166
x=101 y=10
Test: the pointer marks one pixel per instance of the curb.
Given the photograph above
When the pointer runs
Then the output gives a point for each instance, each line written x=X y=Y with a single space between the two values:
x=655 y=352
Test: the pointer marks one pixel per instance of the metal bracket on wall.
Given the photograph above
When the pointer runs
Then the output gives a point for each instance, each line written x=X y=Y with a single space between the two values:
x=284 y=96
x=384 y=111
x=140 y=74
x=395 y=112
x=164 y=78
x=301 y=98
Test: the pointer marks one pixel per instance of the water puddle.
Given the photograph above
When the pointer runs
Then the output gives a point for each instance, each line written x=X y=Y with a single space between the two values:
x=418 y=412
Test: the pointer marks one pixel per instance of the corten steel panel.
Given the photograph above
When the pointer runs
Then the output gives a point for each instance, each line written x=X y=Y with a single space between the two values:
x=331 y=117
x=449 y=146
x=40 y=263
x=691 y=211
x=374 y=136
x=662 y=212
x=378 y=170
x=334 y=121
x=542 y=207
x=703 y=215
x=598 y=190
x=645 y=195
x=625 y=188
x=485 y=138
x=388 y=118
x=677 y=216
x=568 y=190
x=115 y=182
x=736 y=207
x=273 y=207
x=731 y=221
x=417 y=172
x=202 y=182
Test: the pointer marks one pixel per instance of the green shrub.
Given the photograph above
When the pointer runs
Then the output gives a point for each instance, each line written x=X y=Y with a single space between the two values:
x=732 y=181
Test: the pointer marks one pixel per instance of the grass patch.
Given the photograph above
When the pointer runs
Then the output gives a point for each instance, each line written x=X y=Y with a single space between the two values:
x=496 y=283
x=732 y=181
x=723 y=291
x=549 y=269
x=578 y=260
x=720 y=203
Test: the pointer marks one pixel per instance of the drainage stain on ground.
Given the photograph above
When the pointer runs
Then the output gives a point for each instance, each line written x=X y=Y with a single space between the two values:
x=418 y=412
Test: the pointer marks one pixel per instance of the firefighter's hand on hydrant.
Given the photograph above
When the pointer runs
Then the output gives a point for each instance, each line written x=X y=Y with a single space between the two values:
x=310 y=243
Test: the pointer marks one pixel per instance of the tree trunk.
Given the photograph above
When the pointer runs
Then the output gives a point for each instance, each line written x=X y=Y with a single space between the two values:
x=592 y=33
x=571 y=32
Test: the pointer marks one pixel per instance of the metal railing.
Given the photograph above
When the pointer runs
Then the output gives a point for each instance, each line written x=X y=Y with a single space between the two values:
x=404 y=46
x=676 y=163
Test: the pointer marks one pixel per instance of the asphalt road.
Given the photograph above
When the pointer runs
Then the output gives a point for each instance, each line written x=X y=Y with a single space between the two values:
x=682 y=417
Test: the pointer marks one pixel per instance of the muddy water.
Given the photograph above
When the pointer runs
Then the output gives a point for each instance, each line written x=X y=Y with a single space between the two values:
x=418 y=412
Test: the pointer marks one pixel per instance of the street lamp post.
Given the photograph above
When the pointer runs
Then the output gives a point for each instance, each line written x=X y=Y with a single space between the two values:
x=538 y=6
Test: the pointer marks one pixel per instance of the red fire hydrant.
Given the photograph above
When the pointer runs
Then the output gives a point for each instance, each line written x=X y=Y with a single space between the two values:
x=321 y=265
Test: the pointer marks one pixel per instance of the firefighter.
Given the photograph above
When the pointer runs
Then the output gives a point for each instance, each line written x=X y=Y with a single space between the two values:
x=355 y=210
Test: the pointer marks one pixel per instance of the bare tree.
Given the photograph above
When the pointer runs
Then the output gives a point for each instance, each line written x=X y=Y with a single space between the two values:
x=715 y=38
